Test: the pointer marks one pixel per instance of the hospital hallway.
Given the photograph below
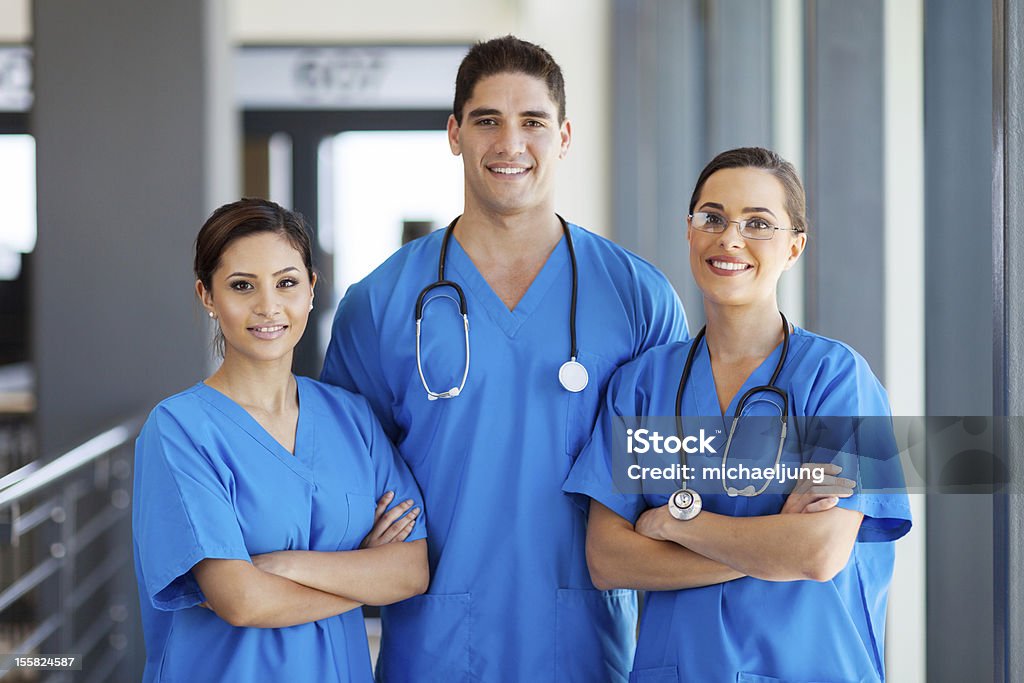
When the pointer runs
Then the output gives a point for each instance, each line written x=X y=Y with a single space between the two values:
x=124 y=124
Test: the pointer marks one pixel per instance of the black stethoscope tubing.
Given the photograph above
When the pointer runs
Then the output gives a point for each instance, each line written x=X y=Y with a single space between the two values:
x=572 y=364
x=770 y=387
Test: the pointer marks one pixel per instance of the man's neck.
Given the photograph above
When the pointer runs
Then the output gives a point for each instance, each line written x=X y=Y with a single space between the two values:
x=509 y=251
x=494 y=238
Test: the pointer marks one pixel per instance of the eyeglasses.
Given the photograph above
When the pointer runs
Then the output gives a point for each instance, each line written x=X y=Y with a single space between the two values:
x=750 y=228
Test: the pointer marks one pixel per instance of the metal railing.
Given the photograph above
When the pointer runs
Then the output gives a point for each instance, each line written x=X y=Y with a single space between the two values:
x=66 y=572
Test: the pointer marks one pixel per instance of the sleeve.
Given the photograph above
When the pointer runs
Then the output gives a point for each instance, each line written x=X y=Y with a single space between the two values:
x=183 y=514
x=353 y=359
x=392 y=474
x=591 y=476
x=660 y=315
x=854 y=430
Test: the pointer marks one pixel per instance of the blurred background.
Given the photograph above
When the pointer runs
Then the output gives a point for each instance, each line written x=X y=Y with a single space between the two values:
x=123 y=124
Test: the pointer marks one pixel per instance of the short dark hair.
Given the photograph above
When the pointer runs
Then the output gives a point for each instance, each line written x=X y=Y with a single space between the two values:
x=759 y=157
x=507 y=55
x=239 y=219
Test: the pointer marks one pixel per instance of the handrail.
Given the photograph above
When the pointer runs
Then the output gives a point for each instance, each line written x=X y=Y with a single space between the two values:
x=88 y=540
x=71 y=461
x=17 y=475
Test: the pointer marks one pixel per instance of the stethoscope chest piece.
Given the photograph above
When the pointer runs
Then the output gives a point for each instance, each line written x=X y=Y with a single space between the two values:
x=685 y=504
x=573 y=376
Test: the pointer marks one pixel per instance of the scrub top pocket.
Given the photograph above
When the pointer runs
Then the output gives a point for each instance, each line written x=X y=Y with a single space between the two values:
x=360 y=519
x=594 y=621
x=427 y=638
x=583 y=406
x=662 y=674
x=743 y=677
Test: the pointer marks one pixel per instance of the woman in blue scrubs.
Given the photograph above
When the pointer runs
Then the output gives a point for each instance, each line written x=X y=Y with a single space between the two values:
x=753 y=588
x=256 y=533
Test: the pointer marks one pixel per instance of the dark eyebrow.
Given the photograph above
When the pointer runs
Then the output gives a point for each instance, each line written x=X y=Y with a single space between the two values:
x=746 y=209
x=252 y=275
x=477 y=113
x=529 y=113
x=758 y=209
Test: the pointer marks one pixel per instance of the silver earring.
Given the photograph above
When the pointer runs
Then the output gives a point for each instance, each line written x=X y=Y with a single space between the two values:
x=213 y=315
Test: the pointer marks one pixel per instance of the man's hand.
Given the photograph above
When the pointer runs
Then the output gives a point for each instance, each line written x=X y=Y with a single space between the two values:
x=653 y=522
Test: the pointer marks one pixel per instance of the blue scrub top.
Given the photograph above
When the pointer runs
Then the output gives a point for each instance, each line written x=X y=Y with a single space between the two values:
x=749 y=630
x=510 y=596
x=210 y=482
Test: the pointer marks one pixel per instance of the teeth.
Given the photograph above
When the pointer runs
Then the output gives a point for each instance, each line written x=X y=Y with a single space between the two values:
x=729 y=265
x=269 y=329
x=509 y=171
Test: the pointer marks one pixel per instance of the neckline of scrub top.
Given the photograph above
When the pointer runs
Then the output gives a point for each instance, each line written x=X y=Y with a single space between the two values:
x=301 y=461
x=510 y=321
x=703 y=375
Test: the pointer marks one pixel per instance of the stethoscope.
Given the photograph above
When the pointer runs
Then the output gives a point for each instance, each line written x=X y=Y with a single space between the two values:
x=686 y=503
x=571 y=375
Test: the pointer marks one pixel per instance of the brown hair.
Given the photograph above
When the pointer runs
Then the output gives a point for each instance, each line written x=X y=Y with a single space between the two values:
x=759 y=157
x=507 y=55
x=248 y=217
x=239 y=219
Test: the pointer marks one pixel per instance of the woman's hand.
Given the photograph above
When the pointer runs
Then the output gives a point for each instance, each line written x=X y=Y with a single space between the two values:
x=808 y=496
x=389 y=526
x=654 y=522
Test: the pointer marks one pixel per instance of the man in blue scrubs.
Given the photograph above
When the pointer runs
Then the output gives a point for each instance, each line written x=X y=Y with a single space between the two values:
x=510 y=596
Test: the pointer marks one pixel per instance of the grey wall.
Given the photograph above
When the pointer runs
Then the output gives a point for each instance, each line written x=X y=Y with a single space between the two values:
x=692 y=78
x=135 y=139
x=958 y=324
x=845 y=179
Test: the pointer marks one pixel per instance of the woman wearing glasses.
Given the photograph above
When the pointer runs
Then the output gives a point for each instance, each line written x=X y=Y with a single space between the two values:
x=257 y=538
x=760 y=585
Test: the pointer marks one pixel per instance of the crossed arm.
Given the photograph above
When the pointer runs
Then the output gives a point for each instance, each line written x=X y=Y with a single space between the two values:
x=292 y=587
x=809 y=539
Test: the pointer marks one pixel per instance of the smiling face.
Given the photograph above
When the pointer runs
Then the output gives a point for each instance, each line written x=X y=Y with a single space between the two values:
x=729 y=269
x=260 y=293
x=510 y=140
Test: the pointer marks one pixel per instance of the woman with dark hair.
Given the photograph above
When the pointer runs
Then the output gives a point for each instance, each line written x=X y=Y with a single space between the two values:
x=747 y=579
x=256 y=533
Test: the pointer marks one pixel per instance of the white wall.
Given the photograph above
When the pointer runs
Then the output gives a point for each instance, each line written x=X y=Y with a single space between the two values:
x=15 y=21
x=904 y=309
x=788 y=125
x=391 y=21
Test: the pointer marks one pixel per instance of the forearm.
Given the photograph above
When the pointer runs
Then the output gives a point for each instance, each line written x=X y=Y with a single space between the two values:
x=622 y=558
x=619 y=557
x=246 y=596
x=773 y=547
x=371 y=576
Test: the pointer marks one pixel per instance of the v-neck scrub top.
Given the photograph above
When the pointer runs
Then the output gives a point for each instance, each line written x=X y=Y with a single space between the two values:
x=210 y=482
x=749 y=630
x=510 y=597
